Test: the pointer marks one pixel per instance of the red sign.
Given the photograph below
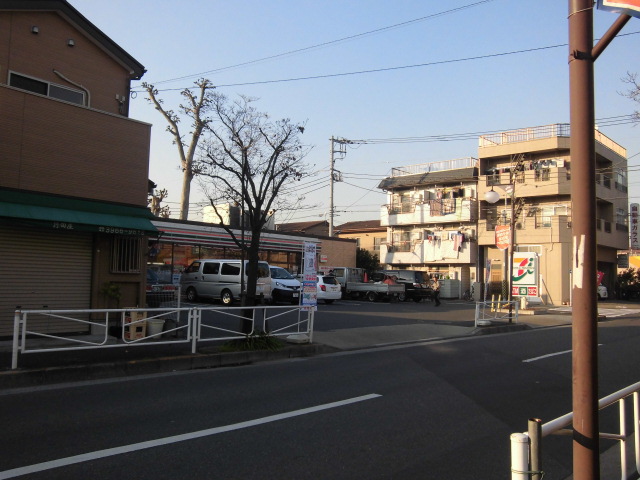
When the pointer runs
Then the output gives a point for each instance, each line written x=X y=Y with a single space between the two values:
x=503 y=236
x=630 y=7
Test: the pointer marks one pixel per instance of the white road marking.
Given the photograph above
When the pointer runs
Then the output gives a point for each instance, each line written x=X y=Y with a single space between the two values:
x=608 y=312
x=549 y=355
x=109 y=452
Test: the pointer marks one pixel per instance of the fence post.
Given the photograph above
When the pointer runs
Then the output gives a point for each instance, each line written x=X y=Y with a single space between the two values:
x=636 y=428
x=16 y=336
x=311 y=313
x=194 y=318
x=519 y=456
x=535 y=436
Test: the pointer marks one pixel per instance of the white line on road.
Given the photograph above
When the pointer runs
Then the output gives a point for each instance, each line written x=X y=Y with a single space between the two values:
x=549 y=355
x=109 y=452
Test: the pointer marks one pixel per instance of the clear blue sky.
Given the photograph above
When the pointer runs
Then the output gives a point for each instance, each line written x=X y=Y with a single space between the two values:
x=499 y=92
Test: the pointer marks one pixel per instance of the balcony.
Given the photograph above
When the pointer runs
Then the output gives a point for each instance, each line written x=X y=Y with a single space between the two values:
x=61 y=148
x=428 y=251
x=429 y=212
x=529 y=183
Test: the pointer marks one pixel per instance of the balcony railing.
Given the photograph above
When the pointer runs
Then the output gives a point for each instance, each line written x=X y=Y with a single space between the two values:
x=468 y=162
x=541 y=132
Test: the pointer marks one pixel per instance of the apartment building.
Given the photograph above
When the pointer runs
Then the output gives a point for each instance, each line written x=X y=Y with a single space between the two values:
x=430 y=217
x=368 y=234
x=73 y=166
x=530 y=170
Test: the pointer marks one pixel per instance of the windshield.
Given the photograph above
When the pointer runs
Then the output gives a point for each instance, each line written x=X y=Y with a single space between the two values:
x=281 y=273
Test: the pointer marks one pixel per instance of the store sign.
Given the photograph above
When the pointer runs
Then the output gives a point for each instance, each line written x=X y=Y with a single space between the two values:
x=634 y=242
x=524 y=275
x=503 y=236
x=629 y=7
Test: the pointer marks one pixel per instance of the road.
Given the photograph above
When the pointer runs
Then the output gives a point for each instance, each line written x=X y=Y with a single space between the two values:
x=438 y=410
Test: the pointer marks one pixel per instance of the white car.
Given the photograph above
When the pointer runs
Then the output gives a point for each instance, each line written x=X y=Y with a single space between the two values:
x=328 y=288
x=603 y=294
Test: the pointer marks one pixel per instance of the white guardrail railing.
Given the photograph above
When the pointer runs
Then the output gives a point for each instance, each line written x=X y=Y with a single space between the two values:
x=496 y=312
x=126 y=327
x=526 y=447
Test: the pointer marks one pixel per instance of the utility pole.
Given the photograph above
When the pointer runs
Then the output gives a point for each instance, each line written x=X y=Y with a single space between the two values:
x=335 y=176
x=582 y=55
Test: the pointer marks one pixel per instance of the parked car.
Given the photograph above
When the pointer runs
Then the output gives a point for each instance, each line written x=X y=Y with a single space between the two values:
x=603 y=293
x=329 y=289
x=284 y=286
x=159 y=290
x=220 y=280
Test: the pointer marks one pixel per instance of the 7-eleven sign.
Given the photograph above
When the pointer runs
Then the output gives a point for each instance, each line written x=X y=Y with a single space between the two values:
x=524 y=275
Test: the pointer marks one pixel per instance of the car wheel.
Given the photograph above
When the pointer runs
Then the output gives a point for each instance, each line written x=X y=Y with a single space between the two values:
x=372 y=296
x=402 y=297
x=328 y=301
x=192 y=295
x=226 y=297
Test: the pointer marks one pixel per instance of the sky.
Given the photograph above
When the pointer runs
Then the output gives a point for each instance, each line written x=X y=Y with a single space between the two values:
x=452 y=69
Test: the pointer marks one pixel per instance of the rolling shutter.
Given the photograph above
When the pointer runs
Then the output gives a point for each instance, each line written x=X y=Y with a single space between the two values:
x=44 y=268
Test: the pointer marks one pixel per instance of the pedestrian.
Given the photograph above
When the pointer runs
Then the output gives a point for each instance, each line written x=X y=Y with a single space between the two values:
x=435 y=286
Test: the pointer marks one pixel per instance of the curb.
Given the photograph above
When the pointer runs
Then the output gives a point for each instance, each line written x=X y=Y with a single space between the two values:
x=30 y=377
x=515 y=327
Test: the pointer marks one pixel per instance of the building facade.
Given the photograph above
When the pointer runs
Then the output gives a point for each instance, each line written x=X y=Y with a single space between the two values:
x=530 y=169
x=368 y=234
x=74 y=168
x=430 y=217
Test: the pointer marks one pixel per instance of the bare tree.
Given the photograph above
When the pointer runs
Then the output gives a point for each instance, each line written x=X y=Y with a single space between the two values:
x=195 y=108
x=155 y=200
x=253 y=162
x=634 y=91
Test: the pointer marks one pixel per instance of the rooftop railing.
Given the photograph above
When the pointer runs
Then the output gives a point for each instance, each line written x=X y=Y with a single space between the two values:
x=541 y=132
x=468 y=162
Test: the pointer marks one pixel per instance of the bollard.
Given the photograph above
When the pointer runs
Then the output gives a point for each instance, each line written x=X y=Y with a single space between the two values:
x=535 y=435
x=519 y=456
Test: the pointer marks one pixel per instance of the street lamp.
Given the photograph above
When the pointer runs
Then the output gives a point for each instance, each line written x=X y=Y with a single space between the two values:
x=492 y=197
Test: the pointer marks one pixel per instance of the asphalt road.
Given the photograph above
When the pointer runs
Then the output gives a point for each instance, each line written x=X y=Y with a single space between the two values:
x=439 y=410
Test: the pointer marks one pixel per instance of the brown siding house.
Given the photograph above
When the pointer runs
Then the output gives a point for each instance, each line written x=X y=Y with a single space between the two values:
x=73 y=166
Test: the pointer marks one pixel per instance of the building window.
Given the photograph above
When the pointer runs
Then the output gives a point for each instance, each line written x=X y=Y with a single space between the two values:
x=529 y=248
x=376 y=244
x=45 y=88
x=125 y=255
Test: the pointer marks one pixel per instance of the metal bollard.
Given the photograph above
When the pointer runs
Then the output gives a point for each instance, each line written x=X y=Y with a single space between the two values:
x=535 y=435
x=519 y=456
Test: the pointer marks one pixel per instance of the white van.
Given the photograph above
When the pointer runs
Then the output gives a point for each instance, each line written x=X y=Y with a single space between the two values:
x=220 y=280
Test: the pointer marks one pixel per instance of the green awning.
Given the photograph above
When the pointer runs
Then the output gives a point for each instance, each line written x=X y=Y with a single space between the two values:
x=64 y=213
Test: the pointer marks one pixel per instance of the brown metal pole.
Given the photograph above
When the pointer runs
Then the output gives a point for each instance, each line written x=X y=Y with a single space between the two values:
x=586 y=461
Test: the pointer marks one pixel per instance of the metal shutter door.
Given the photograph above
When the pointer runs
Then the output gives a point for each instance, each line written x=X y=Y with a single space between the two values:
x=44 y=267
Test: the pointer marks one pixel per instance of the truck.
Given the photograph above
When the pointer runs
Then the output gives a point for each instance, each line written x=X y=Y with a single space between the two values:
x=352 y=281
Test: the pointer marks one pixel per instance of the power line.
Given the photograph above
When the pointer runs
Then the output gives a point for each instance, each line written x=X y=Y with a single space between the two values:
x=331 y=42
x=388 y=69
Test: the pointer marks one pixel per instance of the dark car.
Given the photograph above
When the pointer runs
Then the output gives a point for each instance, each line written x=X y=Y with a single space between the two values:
x=159 y=291
x=416 y=283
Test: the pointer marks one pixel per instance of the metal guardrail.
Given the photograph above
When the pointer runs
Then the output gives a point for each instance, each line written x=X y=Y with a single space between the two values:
x=126 y=327
x=490 y=312
x=525 y=447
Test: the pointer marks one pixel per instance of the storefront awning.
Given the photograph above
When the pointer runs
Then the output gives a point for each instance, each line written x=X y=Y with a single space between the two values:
x=64 y=213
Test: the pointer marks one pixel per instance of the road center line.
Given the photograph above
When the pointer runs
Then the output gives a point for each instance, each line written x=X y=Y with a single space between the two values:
x=549 y=355
x=109 y=452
